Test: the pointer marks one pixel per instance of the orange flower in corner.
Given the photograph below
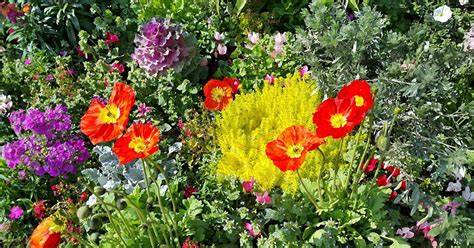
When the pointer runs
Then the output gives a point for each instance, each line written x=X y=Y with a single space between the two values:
x=359 y=90
x=288 y=151
x=43 y=237
x=138 y=142
x=218 y=95
x=105 y=122
x=336 y=117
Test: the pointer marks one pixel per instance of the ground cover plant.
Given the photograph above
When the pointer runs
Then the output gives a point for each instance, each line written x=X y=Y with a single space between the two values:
x=174 y=123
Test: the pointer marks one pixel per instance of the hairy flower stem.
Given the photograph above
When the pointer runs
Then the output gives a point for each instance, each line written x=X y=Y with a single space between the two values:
x=122 y=217
x=306 y=190
x=108 y=215
x=339 y=150
x=320 y=193
x=351 y=164
x=147 y=186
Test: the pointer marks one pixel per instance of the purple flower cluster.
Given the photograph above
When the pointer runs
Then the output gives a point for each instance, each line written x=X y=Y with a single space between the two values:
x=160 y=46
x=49 y=148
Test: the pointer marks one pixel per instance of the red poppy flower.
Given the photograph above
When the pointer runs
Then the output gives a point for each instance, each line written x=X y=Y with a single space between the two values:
x=336 y=118
x=403 y=186
x=359 y=90
x=393 y=195
x=383 y=180
x=138 y=142
x=233 y=83
x=289 y=150
x=218 y=95
x=105 y=122
x=43 y=237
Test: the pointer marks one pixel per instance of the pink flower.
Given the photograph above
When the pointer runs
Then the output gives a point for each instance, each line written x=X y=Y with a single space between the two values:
x=106 y=82
x=80 y=52
x=304 y=70
x=233 y=83
x=280 y=39
x=71 y=72
x=221 y=49
x=218 y=36
x=189 y=244
x=111 y=38
x=39 y=209
x=383 y=180
x=253 y=37
x=270 y=78
x=251 y=230
x=189 y=191
x=248 y=185
x=22 y=175
x=15 y=213
x=180 y=124
x=452 y=207
x=49 y=78
x=405 y=232
x=143 y=110
x=117 y=66
x=263 y=198
x=28 y=62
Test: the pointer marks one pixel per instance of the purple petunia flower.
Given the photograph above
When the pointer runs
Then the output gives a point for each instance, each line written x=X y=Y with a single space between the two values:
x=62 y=53
x=15 y=213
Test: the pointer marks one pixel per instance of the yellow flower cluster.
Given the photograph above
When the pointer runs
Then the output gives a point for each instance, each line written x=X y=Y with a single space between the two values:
x=256 y=118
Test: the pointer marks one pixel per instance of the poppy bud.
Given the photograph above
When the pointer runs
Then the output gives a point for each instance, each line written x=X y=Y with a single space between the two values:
x=150 y=200
x=95 y=223
x=99 y=190
x=382 y=143
x=121 y=203
x=94 y=238
x=83 y=212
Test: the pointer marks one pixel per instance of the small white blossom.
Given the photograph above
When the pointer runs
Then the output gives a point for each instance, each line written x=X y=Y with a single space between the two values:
x=442 y=14
x=456 y=187
x=468 y=195
x=463 y=2
x=5 y=104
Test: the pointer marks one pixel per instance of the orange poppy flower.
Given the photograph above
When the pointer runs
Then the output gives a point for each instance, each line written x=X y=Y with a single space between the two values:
x=218 y=95
x=43 y=237
x=233 y=83
x=138 y=142
x=359 y=90
x=288 y=151
x=105 y=122
x=336 y=117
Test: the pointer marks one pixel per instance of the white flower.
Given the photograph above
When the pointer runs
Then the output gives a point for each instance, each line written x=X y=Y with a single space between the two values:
x=221 y=49
x=442 y=14
x=218 y=36
x=5 y=104
x=253 y=37
x=456 y=187
x=460 y=173
x=463 y=2
x=468 y=195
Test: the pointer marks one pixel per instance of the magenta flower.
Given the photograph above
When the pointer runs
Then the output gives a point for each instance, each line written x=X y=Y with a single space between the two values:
x=22 y=175
x=248 y=185
x=143 y=109
x=71 y=72
x=118 y=67
x=405 y=232
x=80 y=52
x=15 y=213
x=270 y=78
x=111 y=38
x=28 y=62
x=180 y=124
x=62 y=53
x=263 y=198
x=452 y=207
x=251 y=230
x=221 y=49
x=304 y=70
x=49 y=78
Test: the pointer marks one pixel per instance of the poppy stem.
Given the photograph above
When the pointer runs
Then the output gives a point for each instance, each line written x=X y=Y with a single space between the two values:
x=306 y=190
x=147 y=185
x=341 y=143
x=351 y=164
x=319 y=176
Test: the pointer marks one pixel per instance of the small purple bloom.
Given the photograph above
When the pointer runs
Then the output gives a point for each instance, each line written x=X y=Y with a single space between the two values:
x=63 y=53
x=452 y=207
x=350 y=17
x=304 y=70
x=71 y=72
x=28 y=62
x=143 y=110
x=218 y=36
x=221 y=49
x=15 y=213
x=16 y=120
x=22 y=175
x=209 y=21
x=49 y=78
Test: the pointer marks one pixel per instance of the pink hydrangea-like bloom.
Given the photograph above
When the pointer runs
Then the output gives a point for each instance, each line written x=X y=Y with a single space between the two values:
x=161 y=45
x=248 y=185
x=15 y=213
x=263 y=198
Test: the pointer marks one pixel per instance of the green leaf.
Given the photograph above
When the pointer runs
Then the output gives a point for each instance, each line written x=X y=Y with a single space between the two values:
x=399 y=243
x=239 y=6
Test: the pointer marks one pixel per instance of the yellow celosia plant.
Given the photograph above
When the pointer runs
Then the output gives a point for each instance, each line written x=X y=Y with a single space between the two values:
x=256 y=118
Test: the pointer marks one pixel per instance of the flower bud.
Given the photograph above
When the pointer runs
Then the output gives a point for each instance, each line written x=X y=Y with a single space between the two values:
x=83 y=212
x=121 y=203
x=94 y=238
x=95 y=222
x=382 y=143
x=99 y=190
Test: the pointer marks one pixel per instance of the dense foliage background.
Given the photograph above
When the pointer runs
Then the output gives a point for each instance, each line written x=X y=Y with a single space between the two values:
x=69 y=52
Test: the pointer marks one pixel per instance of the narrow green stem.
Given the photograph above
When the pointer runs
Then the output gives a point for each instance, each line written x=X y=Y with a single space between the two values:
x=108 y=215
x=341 y=143
x=351 y=164
x=169 y=188
x=320 y=193
x=123 y=219
x=147 y=187
x=306 y=190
